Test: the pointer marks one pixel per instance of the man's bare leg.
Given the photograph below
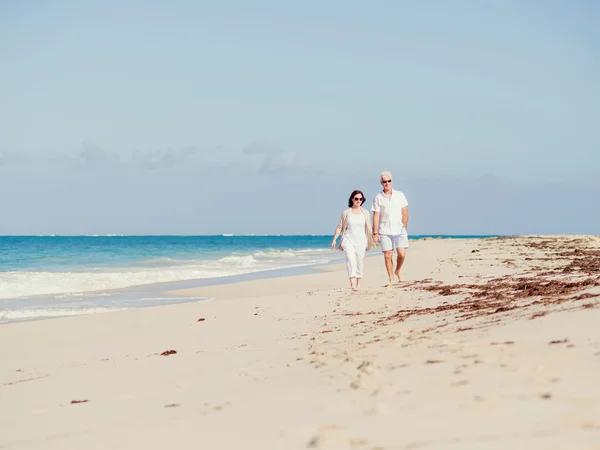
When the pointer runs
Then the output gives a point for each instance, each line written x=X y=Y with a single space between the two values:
x=389 y=265
x=399 y=261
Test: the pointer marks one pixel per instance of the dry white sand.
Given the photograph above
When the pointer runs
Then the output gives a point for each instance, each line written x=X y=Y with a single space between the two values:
x=302 y=362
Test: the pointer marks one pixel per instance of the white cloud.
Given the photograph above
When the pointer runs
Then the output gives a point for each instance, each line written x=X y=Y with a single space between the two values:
x=169 y=158
x=274 y=159
x=94 y=155
x=12 y=158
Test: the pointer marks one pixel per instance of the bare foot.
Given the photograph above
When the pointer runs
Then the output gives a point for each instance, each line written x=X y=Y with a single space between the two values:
x=398 y=275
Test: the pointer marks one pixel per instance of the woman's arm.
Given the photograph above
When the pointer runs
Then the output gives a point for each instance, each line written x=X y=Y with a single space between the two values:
x=368 y=220
x=338 y=231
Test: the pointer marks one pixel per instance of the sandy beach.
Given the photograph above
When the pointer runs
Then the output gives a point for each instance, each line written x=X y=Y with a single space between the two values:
x=487 y=344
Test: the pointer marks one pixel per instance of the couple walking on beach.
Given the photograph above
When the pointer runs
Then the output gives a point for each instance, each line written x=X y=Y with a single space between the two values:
x=390 y=221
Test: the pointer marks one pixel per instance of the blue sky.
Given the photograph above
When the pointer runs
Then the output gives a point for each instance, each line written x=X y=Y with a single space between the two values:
x=158 y=117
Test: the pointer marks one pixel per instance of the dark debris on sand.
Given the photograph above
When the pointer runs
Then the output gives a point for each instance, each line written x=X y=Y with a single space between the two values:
x=555 y=285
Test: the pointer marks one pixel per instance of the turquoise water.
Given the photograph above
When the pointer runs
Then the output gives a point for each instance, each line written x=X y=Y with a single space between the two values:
x=50 y=276
x=58 y=253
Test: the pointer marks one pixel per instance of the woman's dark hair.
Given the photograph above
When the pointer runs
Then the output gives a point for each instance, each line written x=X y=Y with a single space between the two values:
x=352 y=196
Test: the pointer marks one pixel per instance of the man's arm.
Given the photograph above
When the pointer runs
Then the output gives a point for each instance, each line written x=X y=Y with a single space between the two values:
x=405 y=217
x=376 y=210
x=376 y=225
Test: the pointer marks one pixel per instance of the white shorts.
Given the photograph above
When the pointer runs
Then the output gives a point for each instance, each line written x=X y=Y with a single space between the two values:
x=391 y=242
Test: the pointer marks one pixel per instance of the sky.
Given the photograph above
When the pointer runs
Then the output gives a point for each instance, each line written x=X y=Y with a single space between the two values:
x=194 y=117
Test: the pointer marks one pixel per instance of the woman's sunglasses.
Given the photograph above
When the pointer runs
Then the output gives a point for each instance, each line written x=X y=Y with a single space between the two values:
x=357 y=199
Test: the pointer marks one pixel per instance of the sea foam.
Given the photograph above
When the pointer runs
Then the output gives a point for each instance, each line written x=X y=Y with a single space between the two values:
x=18 y=284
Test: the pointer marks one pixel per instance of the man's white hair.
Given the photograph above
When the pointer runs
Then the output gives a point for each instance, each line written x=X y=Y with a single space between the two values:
x=385 y=173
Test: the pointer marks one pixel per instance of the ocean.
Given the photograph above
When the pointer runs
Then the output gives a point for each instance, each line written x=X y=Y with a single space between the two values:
x=53 y=276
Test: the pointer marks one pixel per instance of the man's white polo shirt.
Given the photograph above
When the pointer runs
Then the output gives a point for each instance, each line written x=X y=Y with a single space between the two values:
x=390 y=212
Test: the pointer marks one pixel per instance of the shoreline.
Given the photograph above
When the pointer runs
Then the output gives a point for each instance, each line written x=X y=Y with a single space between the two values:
x=159 y=293
x=487 y=344
x=148 y=294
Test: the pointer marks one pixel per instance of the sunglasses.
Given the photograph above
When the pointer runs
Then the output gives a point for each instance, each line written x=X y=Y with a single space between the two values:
x=357 y=199
x=386 y=181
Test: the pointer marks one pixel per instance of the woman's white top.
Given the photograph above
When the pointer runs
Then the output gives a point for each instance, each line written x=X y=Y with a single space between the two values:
x=355 y=231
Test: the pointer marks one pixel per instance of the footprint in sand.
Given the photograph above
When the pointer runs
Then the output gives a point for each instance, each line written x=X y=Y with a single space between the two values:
x=329 y=437
x=356 y=384
x=366 y=367
x=379 y=409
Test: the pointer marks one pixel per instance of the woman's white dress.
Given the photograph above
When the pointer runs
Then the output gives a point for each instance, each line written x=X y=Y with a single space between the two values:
x=354 y=243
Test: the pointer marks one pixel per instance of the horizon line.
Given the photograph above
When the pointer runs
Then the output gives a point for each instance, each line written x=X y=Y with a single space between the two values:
x=238 y=235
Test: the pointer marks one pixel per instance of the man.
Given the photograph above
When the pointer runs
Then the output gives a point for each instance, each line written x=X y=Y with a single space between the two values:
x=390 y=223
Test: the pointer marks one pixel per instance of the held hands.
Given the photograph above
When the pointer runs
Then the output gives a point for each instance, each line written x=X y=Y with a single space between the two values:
x=376 y=237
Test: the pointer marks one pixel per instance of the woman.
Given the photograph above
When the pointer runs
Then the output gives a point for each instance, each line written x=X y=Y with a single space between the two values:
x=357 y=237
